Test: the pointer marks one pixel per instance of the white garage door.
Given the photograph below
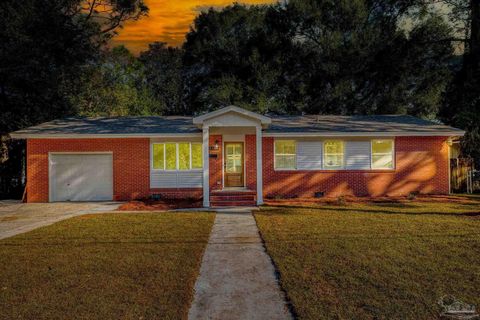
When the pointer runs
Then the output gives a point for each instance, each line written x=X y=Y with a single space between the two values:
x=81 y=177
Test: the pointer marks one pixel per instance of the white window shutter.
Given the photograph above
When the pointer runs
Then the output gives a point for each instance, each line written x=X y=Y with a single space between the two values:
x=357 y=155
x=309 y=155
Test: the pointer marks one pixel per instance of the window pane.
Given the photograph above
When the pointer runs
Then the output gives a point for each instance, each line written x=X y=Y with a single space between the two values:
x=158 y=160
x=382 y=146
x=285 y=154
x=184 y=156
x=285 y=162
x=333 y=160
x=197 y=160
x=289 y=147
x=333 y=154
x=333 y=147
x=382 y=154
x=171 y=156
x=382 y=161
x=289 y=162
x=280 y=162
x=285 y=147
x=278 y=147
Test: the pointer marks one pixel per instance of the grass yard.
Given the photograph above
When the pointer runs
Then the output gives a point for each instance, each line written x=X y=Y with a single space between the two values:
x=375 y=261
x=108 y=266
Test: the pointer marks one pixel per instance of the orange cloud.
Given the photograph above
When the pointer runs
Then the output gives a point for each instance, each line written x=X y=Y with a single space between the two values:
x=168 y=21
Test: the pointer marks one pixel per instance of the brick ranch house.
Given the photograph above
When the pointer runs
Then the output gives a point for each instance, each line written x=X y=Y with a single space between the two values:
x=233 y=156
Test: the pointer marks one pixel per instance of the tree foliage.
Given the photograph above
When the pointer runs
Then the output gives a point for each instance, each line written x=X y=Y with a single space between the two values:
x=44 y=46
x=340 y=57
x=163 y=75
x=115 y=85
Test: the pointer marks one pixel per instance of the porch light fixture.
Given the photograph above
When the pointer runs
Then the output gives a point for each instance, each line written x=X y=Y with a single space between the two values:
x=216 y=145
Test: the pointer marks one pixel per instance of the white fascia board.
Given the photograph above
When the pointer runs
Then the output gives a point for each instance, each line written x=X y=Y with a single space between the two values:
x=263 y=119
x=364 y=134
x=102 y=136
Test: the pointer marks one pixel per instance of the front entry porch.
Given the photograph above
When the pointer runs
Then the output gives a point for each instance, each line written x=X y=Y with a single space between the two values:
x=232 y=171
x=232 y=157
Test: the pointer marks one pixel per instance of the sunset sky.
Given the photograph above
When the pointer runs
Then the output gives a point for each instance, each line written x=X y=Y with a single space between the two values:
x=167 y=21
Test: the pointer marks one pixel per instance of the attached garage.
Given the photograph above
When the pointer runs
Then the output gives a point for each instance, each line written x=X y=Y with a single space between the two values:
x=80 y=176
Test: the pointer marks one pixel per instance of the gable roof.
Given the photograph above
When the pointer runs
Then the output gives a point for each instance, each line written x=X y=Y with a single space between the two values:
x=309 y=125
x=249 y=114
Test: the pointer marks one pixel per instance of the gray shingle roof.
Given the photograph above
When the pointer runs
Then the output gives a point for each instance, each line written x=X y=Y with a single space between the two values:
x=115 y=126
x=357 y=124
x=155 y=125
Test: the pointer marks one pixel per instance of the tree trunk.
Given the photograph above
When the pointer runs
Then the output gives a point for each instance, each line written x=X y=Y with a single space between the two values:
x=472 y=56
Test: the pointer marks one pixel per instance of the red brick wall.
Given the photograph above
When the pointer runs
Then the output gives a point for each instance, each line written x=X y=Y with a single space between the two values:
x=131 y=164
x=216 y=164
x=251 y=161
x=421 y=165
x=179 y=193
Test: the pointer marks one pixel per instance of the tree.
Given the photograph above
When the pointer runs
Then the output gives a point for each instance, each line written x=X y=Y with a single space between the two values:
x=115 y=85
x=462 y=103
x=230 y=59
x=108 y=15
x=43 y=46
x=163 y=71
x=353 y=58
x=347 y=57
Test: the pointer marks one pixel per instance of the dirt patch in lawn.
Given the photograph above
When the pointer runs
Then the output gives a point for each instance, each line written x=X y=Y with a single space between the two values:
x=160 y=205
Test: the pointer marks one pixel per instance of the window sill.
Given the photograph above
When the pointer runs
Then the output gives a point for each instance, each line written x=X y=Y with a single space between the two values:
x=335 y=171
x=175 y=171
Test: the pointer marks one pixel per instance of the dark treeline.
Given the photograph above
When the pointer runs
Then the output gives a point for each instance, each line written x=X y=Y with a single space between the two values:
x=415 y=57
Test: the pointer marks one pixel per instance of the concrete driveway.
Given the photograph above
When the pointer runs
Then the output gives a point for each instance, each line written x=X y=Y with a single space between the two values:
x=17 y=217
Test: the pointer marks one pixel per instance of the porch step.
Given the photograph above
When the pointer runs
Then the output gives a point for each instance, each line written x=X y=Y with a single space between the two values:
x=233 y=193
x=241 y=198
x=232 y=198
x=215 y=204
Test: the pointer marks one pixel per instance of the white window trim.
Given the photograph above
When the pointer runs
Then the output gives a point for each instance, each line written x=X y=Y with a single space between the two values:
x=393 y=155
x=324 y=162
x=177 y=157
x=284 y=154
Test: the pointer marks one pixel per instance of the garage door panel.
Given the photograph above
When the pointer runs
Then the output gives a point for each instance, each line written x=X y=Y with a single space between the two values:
x=81 y=177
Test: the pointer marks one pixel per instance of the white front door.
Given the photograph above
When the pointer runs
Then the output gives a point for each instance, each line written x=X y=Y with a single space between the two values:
x=81 y=177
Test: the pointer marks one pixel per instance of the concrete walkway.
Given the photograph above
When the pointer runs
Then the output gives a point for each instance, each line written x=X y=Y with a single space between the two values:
x=17 y=217
x=237 y=279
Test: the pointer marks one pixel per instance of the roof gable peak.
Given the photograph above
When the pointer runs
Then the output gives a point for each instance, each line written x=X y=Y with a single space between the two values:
x=265 y=121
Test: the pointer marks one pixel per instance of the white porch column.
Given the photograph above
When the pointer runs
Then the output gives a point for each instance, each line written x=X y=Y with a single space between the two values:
x=206 y=171
x=259 y=165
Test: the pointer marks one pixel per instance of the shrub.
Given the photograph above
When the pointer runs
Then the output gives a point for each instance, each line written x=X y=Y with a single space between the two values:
x=412 y=195
x=341 y=200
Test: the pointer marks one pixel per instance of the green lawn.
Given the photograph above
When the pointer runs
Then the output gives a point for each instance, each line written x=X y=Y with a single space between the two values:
x=109 y=266
x=375 y=261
